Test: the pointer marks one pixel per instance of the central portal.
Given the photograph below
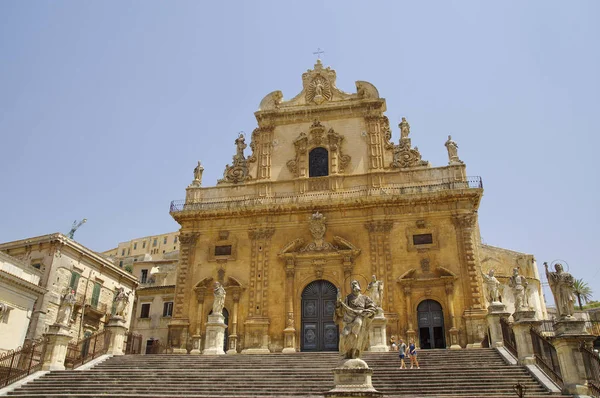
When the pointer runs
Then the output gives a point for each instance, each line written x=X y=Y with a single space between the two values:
x=319 y=332
x=431 y=324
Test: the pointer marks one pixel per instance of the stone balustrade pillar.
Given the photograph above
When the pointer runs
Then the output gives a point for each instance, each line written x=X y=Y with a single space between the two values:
x=56 y=351
x=524 y=321
x=116 y=328
x=496 y=312
x=289 y=333
x=569 y=334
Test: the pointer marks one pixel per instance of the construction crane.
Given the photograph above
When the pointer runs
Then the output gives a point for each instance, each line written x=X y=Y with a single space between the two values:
x=75 y=227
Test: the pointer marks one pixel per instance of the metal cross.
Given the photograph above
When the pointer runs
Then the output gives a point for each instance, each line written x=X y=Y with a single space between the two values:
x=318 y=53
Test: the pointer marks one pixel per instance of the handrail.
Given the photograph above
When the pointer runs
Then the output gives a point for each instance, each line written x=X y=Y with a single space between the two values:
x=19 y=363
x=591 y=362
x=87 y=349
x=545 y=356
x=508 y=337
x=362 y=191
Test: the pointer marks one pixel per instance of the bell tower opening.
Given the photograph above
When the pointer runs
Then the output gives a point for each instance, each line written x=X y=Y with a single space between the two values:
x=318 y=162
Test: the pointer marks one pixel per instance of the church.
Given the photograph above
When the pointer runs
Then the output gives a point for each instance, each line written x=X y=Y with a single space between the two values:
x=323 y=197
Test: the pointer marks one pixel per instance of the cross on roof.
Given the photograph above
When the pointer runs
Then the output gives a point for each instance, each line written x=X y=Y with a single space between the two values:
x=318 y=53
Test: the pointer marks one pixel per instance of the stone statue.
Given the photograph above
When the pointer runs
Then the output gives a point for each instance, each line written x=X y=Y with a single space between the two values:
x=452 y=148
x=404 y=128
x=121 y=301
x=492 y=287
x=3 y=311
x=561 y=284
x=355 y=313
x=65 y=311
x=219 y=302
x=518 y=284
x=240 y=143
x=375 y=291
x=198 y=172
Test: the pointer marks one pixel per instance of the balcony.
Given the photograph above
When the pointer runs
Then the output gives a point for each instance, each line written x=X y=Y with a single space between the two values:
x=323 y=196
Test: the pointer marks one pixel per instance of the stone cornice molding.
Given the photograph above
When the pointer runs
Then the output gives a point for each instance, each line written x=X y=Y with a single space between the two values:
x=261 y=233
x=22 y=283
x=379 y=226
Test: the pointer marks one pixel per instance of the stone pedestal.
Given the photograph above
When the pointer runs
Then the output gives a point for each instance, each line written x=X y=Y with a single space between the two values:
x=524 y=320
x=289 y=340
x=196 y=344
x=56 y=351
x=116 y=328
x=178 y=333
x=353 y=379
x=496 y=311
x=378 y=334
x=569 y=334
x=454 y=339
x=256 y=338
x=233 y=339
x=215 y=335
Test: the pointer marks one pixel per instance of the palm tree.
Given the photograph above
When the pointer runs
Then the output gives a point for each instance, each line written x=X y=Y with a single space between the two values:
x=582 y=291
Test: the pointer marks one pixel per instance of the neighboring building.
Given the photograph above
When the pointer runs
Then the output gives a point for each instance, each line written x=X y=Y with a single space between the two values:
x=19 y=290
x=323 y=198
x=154 y=247
x=65 y=264
x=154 y=300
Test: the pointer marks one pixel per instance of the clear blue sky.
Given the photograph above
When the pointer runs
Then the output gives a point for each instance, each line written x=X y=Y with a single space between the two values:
x=105 y=106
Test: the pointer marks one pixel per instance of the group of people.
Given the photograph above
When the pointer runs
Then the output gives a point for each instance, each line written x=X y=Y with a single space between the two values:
x=405 y=351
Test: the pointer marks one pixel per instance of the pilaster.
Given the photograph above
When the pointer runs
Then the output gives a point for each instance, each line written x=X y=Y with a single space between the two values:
x=381 y=257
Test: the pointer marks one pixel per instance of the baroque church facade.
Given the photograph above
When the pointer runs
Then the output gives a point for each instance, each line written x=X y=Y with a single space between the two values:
x=325 y=197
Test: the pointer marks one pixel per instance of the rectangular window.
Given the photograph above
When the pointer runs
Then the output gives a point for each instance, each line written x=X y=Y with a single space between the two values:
x=123 y=252
x=96 y=295
x=143 y=244
x=165 y=241
x=175 y=240
x=223 y=250
x=121 y=263
x=74 y=280
x=144 y=276
x=168 y=308
x=145 y=313
x=422 y=239
x=128 y=252
x=155 y=242
x=135 y=246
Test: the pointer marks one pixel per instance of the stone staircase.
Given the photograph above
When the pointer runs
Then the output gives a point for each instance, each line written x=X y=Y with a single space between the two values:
x=443 y=373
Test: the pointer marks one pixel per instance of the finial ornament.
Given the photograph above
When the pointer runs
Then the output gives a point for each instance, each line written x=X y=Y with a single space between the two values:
x=238 y=171
x=318 y=53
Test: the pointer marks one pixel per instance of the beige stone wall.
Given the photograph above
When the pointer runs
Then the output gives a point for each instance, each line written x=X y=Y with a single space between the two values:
x=165 y=243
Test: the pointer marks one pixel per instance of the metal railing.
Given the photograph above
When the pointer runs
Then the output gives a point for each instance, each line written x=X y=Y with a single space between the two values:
x=363 y=191
x=545 y=356
x=508 y=337
x=87 y=349
x=546 y=328
x=21 y=362
x=591 y=361
x=134 y=344
x=158 y=348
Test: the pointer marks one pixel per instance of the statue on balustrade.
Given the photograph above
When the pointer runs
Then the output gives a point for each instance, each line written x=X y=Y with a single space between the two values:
x=518 y=284
x=492 y=284
x=561 y=284
x=121 y=301
x=355 y=313
x=65 y=311
x=219 y=301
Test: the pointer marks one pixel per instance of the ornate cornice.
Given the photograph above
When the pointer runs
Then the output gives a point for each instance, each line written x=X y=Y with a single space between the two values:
x=379 y=226
x=261 y=233
x=465 y=220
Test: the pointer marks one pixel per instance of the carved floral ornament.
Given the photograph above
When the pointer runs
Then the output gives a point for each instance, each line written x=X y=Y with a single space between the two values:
x=317 y=137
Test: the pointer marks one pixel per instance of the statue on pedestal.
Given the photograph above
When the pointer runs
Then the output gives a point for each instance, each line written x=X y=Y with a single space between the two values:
x=355 y=313
x=452 y=148
x=404 y=129
x=121 y=301
x=65 y=311
x=561 y=284
x=219 y=301
x=198 y=173
x=492 y=287
x=375 y=291
x=518 y=284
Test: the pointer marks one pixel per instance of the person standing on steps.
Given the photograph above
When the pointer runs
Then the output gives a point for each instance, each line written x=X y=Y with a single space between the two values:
x=411 y=351
x=402 y=353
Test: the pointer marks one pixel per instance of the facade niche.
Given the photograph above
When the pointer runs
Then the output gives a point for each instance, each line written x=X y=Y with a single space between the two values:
x=318 y=153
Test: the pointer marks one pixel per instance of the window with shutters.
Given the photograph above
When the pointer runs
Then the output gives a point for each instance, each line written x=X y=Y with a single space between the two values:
x=74 y=280
x=145 y=311
x=168 y=308
x=96 y=295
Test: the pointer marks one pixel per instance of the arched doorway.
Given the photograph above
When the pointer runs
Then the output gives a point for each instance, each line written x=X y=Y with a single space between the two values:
x=431 y=325
x=226 y=331
x=319 y=332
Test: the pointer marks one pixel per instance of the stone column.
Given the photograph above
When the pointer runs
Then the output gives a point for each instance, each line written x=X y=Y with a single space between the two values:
x=410 y=332
x=117 y=329
x=233 y=337
x=289 y=333
x=197 y=336
x=495 y=313
x=450 y=304
x=524 y=321
x=56 y=350
x=568 y=337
